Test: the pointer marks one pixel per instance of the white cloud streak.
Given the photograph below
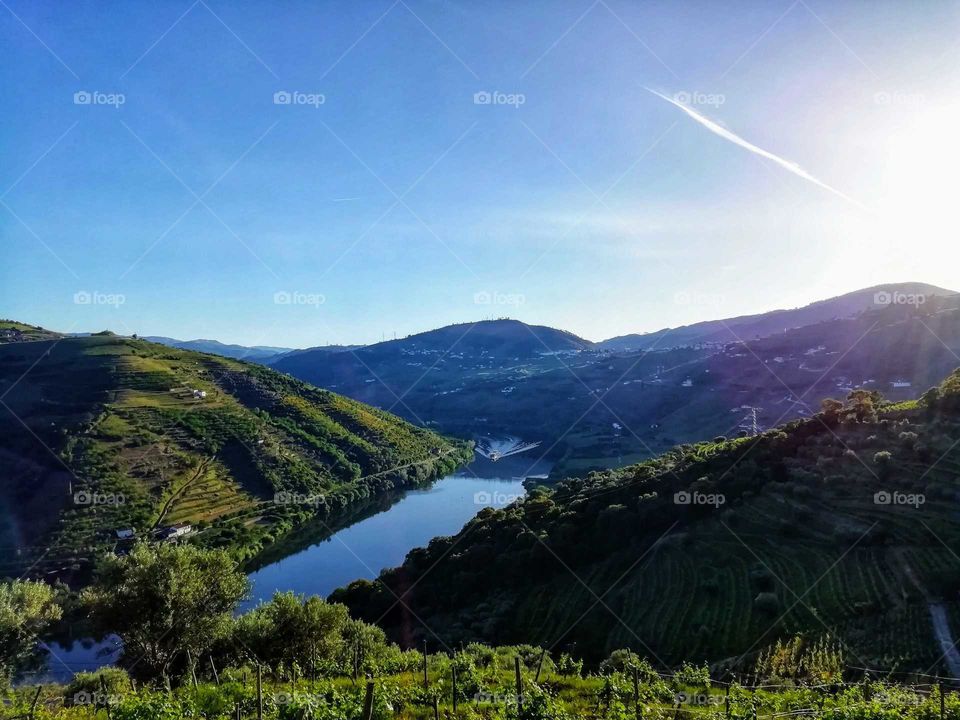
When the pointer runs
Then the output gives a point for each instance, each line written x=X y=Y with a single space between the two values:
x=737 y=140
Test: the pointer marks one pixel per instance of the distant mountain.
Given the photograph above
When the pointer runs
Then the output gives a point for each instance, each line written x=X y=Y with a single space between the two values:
x=102 y=433
x=255 y=353
x=497 y=339
x=318 y=349
x=750 y=327
x=595 y=408
x=492 y=342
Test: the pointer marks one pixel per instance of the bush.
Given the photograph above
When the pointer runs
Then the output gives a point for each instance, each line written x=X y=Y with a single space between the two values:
x=88 y=686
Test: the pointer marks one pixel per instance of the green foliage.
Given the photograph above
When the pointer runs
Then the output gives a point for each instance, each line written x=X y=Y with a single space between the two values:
x=702 y=544
x=822 y=661
x=165 y=601
x=26 y=608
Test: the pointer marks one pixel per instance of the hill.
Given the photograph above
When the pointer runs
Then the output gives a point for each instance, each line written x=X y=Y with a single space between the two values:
x=495 y=341
x=751 y=327
x=843 y=524
x=431 y=377
x=101 y=433
x=255 y=353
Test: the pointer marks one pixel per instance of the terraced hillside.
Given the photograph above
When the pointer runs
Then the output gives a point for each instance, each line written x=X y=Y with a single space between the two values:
x=844 y=524
x=104 y=433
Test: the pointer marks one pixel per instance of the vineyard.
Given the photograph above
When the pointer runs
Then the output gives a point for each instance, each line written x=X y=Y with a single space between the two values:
x=141 y=436
x=508 y=683
x=841 y=525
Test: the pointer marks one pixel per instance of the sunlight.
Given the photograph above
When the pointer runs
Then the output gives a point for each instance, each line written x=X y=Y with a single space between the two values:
x=919 y=199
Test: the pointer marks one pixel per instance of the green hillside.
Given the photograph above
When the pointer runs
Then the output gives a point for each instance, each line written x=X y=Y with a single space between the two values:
x=843 y=524
x=103 y=432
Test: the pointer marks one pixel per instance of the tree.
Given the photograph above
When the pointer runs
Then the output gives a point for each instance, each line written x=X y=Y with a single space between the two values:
x=290 y=629
x=862 y=405
x=163 y=601
x=26 y=608
x=830 y=410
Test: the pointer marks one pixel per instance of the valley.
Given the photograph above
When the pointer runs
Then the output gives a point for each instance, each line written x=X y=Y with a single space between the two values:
x=325 y=495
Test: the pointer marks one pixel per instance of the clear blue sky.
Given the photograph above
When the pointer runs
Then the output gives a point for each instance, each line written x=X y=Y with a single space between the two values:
x=594 y=205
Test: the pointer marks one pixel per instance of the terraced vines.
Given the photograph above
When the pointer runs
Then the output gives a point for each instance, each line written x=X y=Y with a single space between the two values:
x=843 y=524
x=104 y=433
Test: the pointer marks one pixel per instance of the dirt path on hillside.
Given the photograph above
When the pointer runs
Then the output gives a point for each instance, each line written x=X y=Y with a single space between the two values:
x=201 y=470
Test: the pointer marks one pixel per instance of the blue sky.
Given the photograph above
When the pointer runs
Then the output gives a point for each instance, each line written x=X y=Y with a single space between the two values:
x=577 y=198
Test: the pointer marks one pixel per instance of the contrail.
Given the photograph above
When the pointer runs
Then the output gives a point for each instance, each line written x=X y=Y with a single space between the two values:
x=737 y=140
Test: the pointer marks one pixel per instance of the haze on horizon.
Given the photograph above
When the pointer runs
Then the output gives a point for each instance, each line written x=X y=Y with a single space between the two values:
x=441 y=163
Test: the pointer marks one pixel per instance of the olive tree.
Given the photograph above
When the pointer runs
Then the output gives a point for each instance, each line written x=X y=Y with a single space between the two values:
x=26 y=608
x=165 y=601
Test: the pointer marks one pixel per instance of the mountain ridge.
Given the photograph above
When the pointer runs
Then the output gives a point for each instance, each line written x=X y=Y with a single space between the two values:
x=766 y=323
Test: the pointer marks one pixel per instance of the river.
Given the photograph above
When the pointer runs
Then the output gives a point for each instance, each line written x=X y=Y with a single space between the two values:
x=360 y=550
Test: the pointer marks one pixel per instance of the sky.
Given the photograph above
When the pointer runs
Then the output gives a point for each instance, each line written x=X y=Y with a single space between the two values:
x=303 y=173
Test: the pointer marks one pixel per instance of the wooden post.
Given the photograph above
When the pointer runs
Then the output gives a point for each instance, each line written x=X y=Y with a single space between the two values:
x=259 y=692
x=516 y=669
x=426 y=680
x=36 y=698
x=453 y=670
x=636 y=692
x=193 y=671
x=238 y=710
x=106 y=697
x=543 y=654
x=216 y=675
x=726 y=702
x=436 y=709
x=368 y=702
